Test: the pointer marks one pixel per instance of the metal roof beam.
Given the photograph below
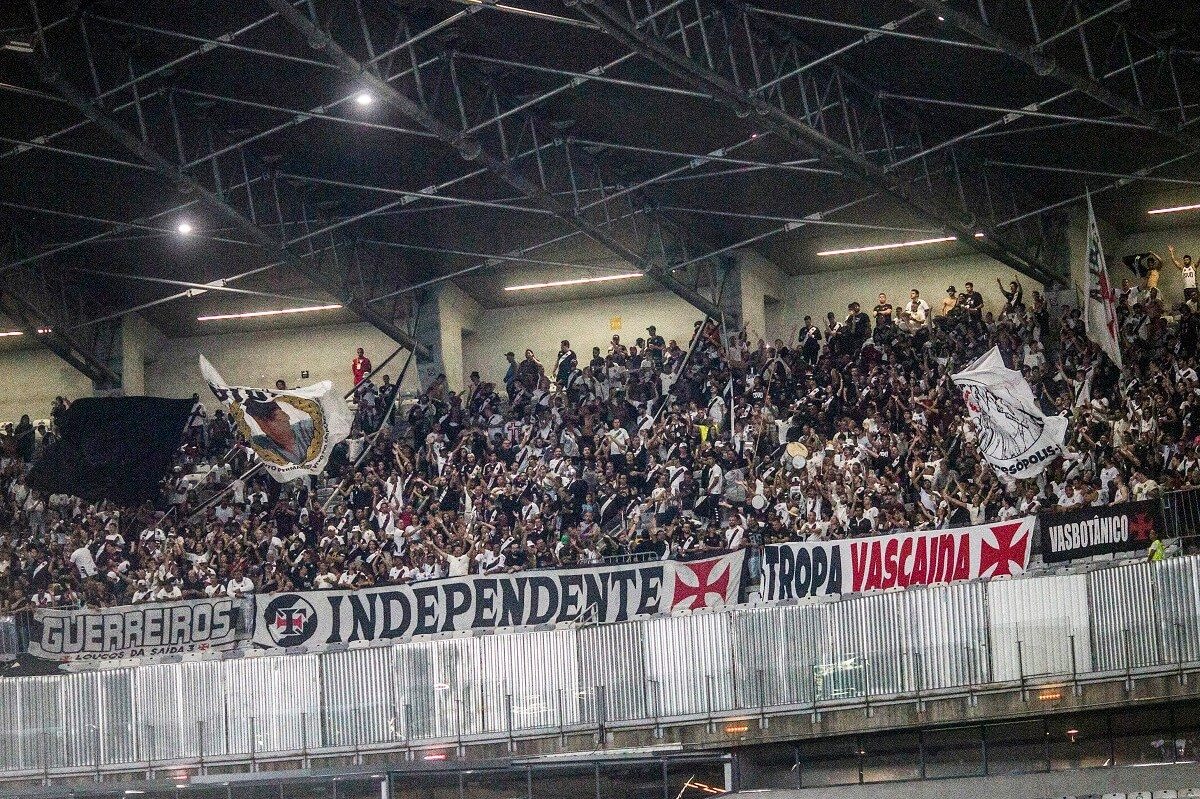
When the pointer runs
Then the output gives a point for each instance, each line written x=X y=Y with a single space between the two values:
x=472 y=150
x=728 y=87
x=171 y=172
x=1047 y=66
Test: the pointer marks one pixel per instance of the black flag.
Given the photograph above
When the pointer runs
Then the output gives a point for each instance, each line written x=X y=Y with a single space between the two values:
x=115 y=448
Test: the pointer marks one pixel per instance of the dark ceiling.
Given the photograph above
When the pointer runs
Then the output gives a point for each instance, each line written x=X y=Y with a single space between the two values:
x=234 y=77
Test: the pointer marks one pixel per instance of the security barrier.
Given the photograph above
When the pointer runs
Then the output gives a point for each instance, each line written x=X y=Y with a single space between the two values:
x=734 y=662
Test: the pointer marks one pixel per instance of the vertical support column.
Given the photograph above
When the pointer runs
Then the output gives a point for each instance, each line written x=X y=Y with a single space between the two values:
x=135 y=337
x=428 y=331
x=731 y=301
x=110 y=351
x=444 y=313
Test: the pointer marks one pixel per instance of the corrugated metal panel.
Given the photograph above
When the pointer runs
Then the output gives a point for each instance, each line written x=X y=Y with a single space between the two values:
x=530 y=680
x=1046 y=615
x=949 y=635
x=162 y=713
x=437 y=685
x=665 y=667
x=41 y=713
x=1178 y=593
x=612 y=673
x=358 y=697
x=772 y=656
x=884 y=637
x=689 y=658
x=11 y=730
x=273 y=703
x=207 y=725
x=1124 y=630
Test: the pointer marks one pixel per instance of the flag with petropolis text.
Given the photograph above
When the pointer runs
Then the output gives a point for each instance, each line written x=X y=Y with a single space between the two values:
x=1100 y=319
x=293 y=431
x=1015 y=437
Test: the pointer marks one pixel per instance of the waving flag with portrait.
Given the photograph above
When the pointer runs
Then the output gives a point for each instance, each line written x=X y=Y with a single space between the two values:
x=1015 y=437
x=293 y=431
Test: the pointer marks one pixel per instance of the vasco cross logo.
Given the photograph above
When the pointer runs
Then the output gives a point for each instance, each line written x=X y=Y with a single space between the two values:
x=703 y=589
x=290 y=619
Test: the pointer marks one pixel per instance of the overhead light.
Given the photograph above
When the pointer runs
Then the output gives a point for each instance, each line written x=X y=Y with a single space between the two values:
x=7 y=333
x=364 y=98
x=1193 y=207
x=435 y=756
x=133 y=792
x=736 y=728
x=18 y=46
x=575 y=282
x=256 y=314
x=941 y=19
x=43 y=331
x=184 y=228
x=893 y=245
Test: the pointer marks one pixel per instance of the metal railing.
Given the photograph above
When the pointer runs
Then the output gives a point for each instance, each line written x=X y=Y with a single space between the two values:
x=735 y=663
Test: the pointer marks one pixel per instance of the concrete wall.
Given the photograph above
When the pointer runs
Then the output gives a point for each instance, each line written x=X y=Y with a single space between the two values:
x=1170 y=284
x=259 y=358
x=475 y=339
x=33 y=377
x=817 y=294
x=1081 y=782
x=586 y=323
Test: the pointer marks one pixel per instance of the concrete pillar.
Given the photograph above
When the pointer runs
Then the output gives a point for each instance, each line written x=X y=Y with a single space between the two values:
x=751 y=282
x=444 y=313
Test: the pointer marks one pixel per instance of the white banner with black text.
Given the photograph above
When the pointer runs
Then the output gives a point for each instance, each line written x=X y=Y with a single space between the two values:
x=318 y=619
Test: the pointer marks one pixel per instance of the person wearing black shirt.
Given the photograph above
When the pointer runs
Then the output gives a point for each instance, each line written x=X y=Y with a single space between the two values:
x=655 y=345
x=858 y=326
x=565 y=363
x=810 y=340
x=885 y=322
x=974 y=304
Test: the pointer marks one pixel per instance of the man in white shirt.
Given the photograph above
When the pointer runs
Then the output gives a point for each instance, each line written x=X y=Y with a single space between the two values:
x=239 y=585
x=84 y=561
x=618 y=445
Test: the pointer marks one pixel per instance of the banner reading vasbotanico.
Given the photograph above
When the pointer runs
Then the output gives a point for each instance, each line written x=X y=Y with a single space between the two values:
x=1127 y=527
x=137 y=631
x=825 y=568
x=316 y=619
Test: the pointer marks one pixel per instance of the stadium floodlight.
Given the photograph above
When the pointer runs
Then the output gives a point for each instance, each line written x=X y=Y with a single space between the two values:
x=256 y=314
x=575 y=282
x=1175 y=209
x=893 y=245
x=364 y=98
x=184 y=228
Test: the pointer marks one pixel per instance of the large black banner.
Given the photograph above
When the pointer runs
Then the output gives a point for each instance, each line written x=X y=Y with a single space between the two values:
x=114 y=448
x=1082 y=533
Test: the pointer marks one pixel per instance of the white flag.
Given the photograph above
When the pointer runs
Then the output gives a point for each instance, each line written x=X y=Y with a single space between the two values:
x=1015 y=437
x=293 y=431
x=1100 y=319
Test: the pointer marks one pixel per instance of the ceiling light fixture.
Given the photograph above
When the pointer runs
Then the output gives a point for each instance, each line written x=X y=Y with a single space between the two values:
x=575 y=282
x=1176 y=209
x=364 y=98
x=12 y=333
x=184 y=228
x=893 y=245
x=256 y=314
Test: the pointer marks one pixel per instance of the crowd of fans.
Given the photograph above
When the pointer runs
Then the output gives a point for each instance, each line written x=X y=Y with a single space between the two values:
x=648 y=449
